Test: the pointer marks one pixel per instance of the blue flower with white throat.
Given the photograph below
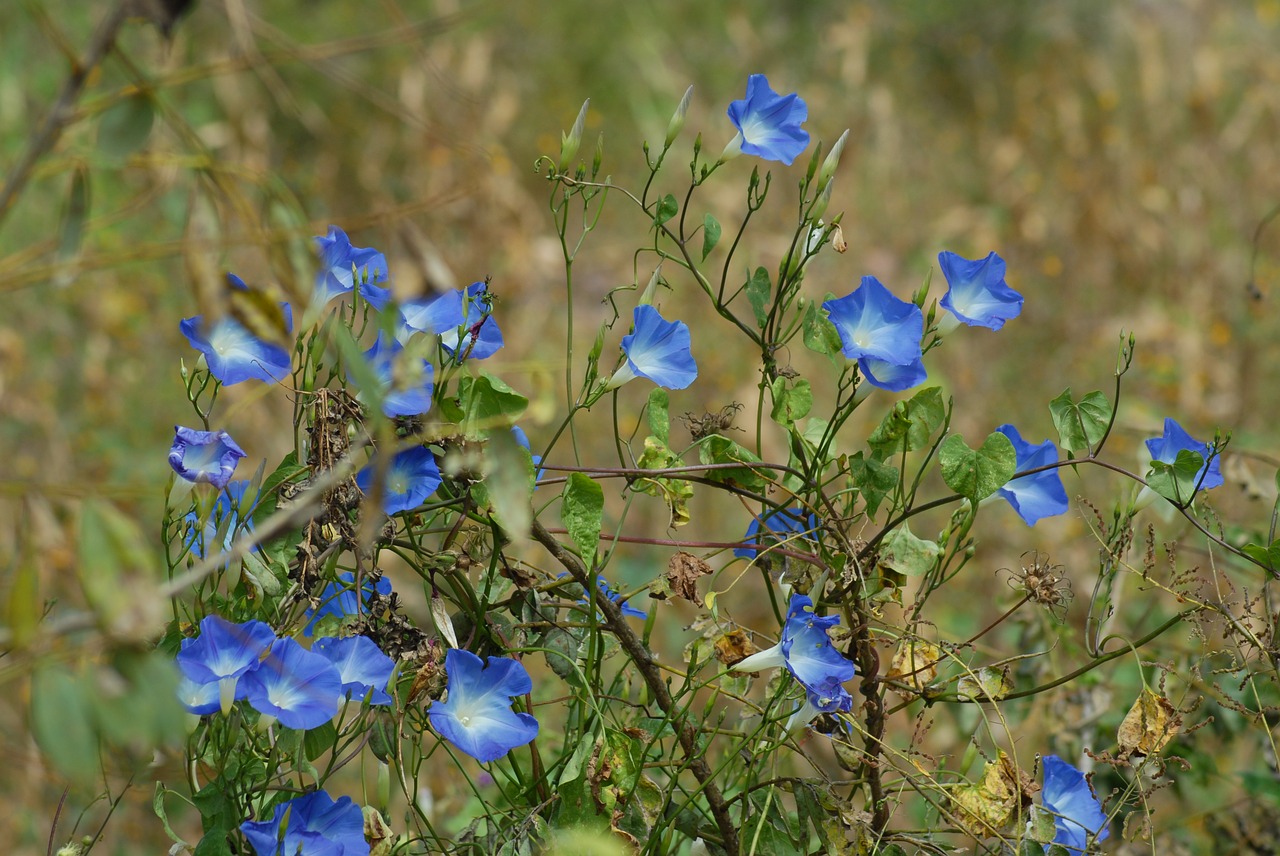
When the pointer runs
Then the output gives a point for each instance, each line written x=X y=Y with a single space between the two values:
x=657 y=350
x=768 y=124
x=977 y=294
x=345 y=269
x=882 y=333
x=476 y=715
x=1038 y=495
x=1077 y=815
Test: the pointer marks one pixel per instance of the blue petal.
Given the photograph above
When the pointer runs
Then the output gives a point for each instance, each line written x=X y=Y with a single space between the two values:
x=402 y=396
x=874 y=324
x=204 y=456
x=782 y=523
x=339 y=258
x=477 y=337
x=976 y=291
x=769 y=123
x=411 y=478
x=658 y=349
x=1037 y=496
x=297 y=687
x=893 y=377
x=808 y=651
x=201 y=699
x=1174 y=440
x=317 y=826
x=1079 y=814
x=436 y=314
x=477 y=717
x=361 y=665
x=338 y=599
x=233 y=353
x=224 y=650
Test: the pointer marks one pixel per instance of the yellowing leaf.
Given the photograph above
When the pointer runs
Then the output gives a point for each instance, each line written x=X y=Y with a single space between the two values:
x=987 y=685
x=915 y=663
x=995 y=803
x=1149 y=725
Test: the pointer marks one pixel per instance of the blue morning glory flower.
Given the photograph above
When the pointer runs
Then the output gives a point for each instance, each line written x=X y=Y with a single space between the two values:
x=768 y=123
x=875 y=325
x=339 y=599
x=476 y=716
x=361 y=665
x=200 y=698
x=976 y=291
x=232 y=352
x=298 y=688
x=780 y=525
x=658 y=350
x=229 y=507
x=616 y=597
x=1036 y=496
x=1078 y=815
x=406 y=383
x=1174 y=440
x=224 y=653
x=412 y=477
x=344 y=267
x=435 y=314
x=807 y=653
x=477 y=337
x=893 y=377
x=317 y=826
x=204 y=456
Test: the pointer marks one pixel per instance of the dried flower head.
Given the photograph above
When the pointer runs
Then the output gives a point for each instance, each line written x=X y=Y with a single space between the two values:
x=1042 y=582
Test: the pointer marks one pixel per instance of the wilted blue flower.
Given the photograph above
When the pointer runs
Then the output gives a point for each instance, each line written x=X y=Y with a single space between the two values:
x=1174 y=440
x=339 y=599
x=881 y=332
x=807 y=653
x=476 y=716
x=768 y=123
x=228 y=510
x=780 y=524
x=477 y=337
x=317 y=826
x=976 y=291
x=224 y=653
x=411 y=477
x=435 y=314
x=300 y=689
x=204 y=456
x=406 y=383
x=656 y=349
x=361 y=665
x=344 y=267
x=1078 y=815
x=232 y=352
x=1036 y=496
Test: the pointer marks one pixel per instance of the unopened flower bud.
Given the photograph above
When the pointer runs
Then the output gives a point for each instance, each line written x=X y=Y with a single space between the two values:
x=570 y=142
x=820 y=207
x=599 y=156
x=677 y=118
x=833 y=160
x=648 y=297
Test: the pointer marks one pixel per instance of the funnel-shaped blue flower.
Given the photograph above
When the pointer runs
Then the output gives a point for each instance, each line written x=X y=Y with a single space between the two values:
x=1078 y=815
x=477 y=336
x=339 y=599
x=224 y=653
x=476 y=716
x=656 y=349
x=406 y=383
x=361 y=665
x=412 y=477
x=1036 y=496
x=780 y=525
x=204 y=456
x=232 y=352
x=343 y=268
x=976 y=291
x=807 y=653
x=228 y=510
x=200 y=699
x=882 y=333
x=435 y=314
x=768 y=123
x=317 y=826
x=1174 y=440
x=891 y=376
x=297 y=687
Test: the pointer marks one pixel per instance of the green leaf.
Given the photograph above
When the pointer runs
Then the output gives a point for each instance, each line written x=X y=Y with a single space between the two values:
x=135 y=698
x=561 y=650
x=1080 y=426
x=1268 y=557
x=659 y=414
x=758 y=291
x=1176 y=482
x=710 y=235
x=987 y=684
x=158 y=807
x=316 y=741
x=904 y=553
x=62 y=718
x=582 y=512
x=874 y=480
x=487 y=402
x=358 y=368
x=125 y=126
x=667 y=209
x=909 y=425
x=676 y=492
x=719 y=449
x=74 y=215
x=819 y=334
x=976 y=474
x=24 y=608
x=792 y=400
x=288 y=470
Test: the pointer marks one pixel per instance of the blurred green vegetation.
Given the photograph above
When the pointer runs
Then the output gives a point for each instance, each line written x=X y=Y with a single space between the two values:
x=1118 y=155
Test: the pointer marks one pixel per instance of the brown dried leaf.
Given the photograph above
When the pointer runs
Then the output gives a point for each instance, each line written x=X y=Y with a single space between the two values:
x=733 y=646
x=915 y=663
x=1149 y=725
x=682 y=572
x=995 y=803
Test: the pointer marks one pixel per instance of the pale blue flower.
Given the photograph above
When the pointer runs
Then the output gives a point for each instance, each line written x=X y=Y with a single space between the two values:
x=476 y=715
x=317 y=826
x=1174 y=440
x=882 y=333
x=768 y=123
x=435 y=314
x=780 y=525
x=477 y=337
x=1036 y=496
x=204 y=456
x=1078 y=815
x=296 y=687
x=361 y=665
x=344 y=267
x=232 y=352
x=891 y=376
x=411 y=477
x=224 y=653
x=658 y=350
x=976 y=291
x=406 y=383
